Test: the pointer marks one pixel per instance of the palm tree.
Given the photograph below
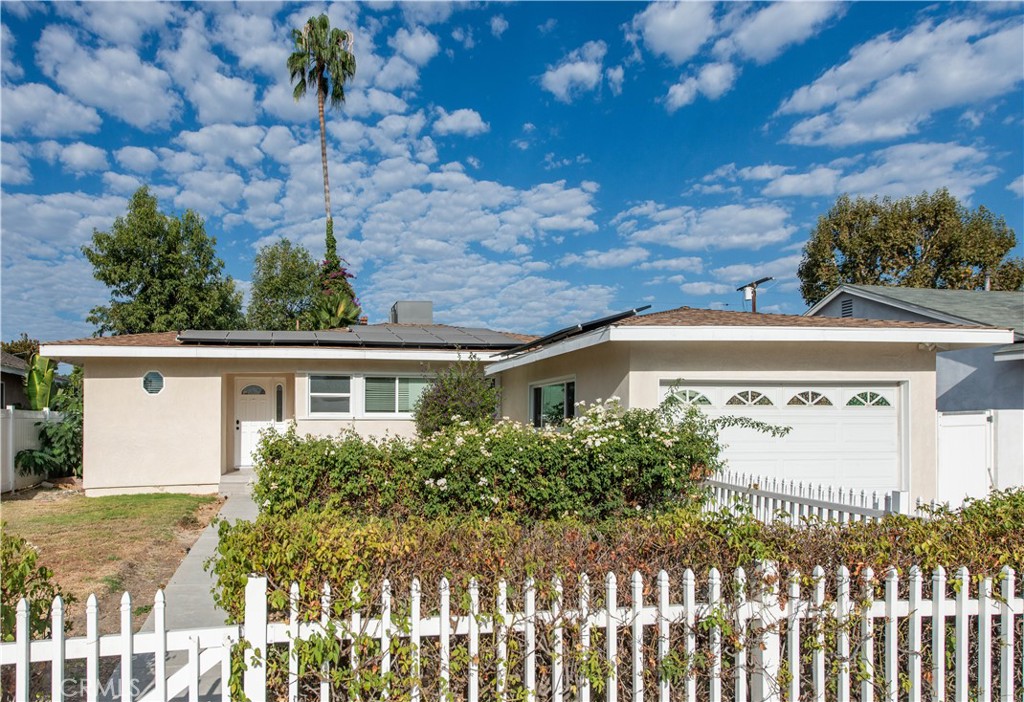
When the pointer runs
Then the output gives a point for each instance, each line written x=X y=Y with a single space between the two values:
x=322 y=58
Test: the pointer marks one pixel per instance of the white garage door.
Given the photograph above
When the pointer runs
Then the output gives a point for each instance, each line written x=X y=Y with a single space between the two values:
x=846 y=436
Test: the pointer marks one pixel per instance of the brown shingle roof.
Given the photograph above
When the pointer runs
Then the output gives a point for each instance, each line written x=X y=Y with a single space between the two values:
x=12 y=361
x=691 y=317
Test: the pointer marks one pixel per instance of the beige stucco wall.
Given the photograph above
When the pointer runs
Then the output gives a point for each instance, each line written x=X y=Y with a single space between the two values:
x=182 y=439
x=634 y=371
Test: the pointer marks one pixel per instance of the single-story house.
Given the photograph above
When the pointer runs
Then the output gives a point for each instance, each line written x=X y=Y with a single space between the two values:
x=986 y=382
x=13 y=371
x=173 y=411
x=858 y=393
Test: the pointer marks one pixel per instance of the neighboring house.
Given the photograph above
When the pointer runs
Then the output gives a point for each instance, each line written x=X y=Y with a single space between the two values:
x=987 y=379
x=859 y=394
x=174 y=411
x=13 y=371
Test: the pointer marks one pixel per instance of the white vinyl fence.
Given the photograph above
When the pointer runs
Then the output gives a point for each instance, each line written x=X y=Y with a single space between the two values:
x=816 y=637
x=771 y=499
x=18 y=431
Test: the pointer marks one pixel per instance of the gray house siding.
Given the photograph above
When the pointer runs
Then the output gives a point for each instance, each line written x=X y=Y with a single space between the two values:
x=869 y=309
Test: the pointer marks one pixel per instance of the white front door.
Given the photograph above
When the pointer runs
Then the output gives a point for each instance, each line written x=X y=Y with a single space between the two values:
x=254 y=411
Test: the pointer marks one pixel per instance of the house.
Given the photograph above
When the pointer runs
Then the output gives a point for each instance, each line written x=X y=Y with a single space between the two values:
x=13 y=371
x=859 y=394
x=173 y=411
x=986 y=382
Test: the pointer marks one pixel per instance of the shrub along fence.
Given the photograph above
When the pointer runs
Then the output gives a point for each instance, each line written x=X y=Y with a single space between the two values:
x=713 y=639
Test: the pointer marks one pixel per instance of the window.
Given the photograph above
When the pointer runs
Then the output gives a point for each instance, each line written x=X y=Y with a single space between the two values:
x=393 y=395
x=809 y=398
x=253 y=390
x=749 y=397
x=279 y=404
x=330 y=394
x=690 y=397
x=868 y=399
x=153 y=382
x=553 y=404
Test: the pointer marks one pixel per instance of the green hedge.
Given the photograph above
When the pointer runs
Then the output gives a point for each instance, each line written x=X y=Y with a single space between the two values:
x=605 y=463
x=312 y=548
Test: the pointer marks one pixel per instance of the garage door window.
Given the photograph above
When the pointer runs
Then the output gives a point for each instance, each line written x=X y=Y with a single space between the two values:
x=691 y=397
x=749 y=398
x=809 y=399
x=868 y=399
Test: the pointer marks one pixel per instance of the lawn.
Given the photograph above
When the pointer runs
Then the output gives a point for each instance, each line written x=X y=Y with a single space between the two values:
x=108 y=545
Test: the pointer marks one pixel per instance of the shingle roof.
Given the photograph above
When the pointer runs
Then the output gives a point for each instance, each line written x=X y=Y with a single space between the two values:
x=9 y=360
x=988 y=307
x=691 y=317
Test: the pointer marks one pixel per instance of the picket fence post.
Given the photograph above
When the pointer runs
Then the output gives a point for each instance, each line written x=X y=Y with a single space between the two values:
x=765 y=674
x=254 y=681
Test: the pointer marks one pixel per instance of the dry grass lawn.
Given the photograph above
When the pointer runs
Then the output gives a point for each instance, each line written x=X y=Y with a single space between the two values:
x=109 y=545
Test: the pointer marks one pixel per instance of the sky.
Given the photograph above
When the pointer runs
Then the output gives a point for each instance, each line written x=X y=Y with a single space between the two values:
x=525 y=166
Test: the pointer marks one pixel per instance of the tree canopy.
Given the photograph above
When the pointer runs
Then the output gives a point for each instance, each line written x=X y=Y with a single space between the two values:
x=23 y=347
x=927 y=241
x=163 y=273
x=284 y=281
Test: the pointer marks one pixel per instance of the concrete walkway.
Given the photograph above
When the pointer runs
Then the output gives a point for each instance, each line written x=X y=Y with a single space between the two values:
x=189 y=593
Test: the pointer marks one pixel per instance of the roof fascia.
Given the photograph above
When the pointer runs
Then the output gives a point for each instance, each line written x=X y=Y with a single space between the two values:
x=573 y=343
x=85 y=351
x=1012 y=354
x=14 y=371
x=982 y=336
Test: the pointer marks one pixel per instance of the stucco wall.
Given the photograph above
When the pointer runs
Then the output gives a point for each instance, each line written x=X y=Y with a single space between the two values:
x=634 y=371
x=971 y=379
x=599 y=372
x=183 y=439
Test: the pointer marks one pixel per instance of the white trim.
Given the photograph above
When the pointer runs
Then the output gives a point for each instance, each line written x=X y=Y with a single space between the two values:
x=351 y=414
x=557 y=380
x=62 y=351
x=395 y=376
x=1015 y=354
x=951 y=338
x=163 y=382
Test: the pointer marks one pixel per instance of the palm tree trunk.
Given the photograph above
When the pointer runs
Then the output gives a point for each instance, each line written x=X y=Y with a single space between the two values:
x=323 y=153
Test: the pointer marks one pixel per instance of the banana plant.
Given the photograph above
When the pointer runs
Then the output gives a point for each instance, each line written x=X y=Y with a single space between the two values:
x=331 y=311
x=39 y=381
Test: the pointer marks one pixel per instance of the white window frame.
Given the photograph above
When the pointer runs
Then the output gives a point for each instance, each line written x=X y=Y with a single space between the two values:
x=364 y=414
x=163 y=383
x=545 y=383
x=351 y=395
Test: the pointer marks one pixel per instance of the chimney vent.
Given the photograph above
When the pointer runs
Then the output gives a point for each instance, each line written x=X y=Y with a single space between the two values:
x=412 y=312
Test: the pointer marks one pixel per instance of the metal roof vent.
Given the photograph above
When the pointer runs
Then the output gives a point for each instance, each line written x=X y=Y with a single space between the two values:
x=412 y=312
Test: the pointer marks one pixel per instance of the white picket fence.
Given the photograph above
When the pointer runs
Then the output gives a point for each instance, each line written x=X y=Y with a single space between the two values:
x=771 y=499
x=766 y=642
x=18 y=431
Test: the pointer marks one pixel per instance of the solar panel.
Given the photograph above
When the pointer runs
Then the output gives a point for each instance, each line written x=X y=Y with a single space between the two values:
x=249 y=337
x=294 y=337
x=377 y=335
x=201 y=335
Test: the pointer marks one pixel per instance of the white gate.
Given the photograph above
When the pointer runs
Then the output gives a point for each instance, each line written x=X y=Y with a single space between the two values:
x=964 y=455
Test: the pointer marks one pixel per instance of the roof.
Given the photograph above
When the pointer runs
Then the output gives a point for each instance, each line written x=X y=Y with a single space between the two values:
x=994 y=308
x=692 y=317
x=13 y=364
x=687 y=324
x=385 y=336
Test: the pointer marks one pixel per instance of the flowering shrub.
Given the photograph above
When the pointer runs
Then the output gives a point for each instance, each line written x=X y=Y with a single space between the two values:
x=459 y=392
x=604 y=463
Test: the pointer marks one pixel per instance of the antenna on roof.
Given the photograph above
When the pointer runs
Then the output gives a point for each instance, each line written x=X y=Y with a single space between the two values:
x=750 y=291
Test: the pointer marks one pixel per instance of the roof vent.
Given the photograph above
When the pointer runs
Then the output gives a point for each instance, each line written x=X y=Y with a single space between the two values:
x=846 y=307
x=412 y=312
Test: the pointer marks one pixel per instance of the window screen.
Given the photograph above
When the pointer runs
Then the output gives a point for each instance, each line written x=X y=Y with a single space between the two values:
x=153 y=382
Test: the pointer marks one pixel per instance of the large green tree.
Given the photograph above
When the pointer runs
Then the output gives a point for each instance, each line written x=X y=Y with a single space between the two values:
x=284 y=282
x=322 y=59
x=927 y=241
x=163 y=273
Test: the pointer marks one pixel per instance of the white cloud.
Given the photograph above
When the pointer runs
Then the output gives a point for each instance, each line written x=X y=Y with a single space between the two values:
x=35 y=108
x=763 y=35
x=210 y=192
x=613 y=258
x=120 y=22
x=419 y=45
x=782 y=269
x=1016 y=186
x=120 y=183
x=676 y=30
x=397 y=73
x=713 y=80
x=219 y=143
x=706 y=288
x=690 y=264
x=615 y=76
x=254 y=39
x=462 y=121
x=728 y=227
x=9 y=68
x=817 y=181
x=892 y=84
x=498 y=25
x=463 y=35
x=578 y=72
x=15 y=168
x=113 y=79
x=79 y=158
x=137 y=158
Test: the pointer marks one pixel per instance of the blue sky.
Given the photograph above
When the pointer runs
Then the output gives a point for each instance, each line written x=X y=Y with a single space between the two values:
x=524 y=166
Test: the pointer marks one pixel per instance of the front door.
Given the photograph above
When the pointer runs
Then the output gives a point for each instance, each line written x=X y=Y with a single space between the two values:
x=254 y=411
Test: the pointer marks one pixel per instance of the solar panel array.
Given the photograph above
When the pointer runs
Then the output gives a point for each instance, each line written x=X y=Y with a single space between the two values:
x=377 y=335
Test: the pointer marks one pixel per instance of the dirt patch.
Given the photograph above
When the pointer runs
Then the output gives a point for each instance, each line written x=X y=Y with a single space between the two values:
x=109 y=545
